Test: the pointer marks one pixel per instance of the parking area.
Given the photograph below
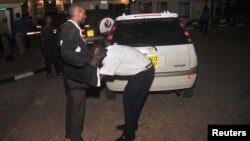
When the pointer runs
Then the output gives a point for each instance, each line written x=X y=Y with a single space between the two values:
x=33 y=109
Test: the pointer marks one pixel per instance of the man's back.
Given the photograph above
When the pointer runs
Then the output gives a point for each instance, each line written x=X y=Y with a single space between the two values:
x=123 y=60
x=19 y=26
x=48 y=36
x=205 y=14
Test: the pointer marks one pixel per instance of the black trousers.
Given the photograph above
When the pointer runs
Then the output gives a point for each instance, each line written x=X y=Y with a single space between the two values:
x=75 y=111
x=52 y=57
x=204 y=26
x=134 y=97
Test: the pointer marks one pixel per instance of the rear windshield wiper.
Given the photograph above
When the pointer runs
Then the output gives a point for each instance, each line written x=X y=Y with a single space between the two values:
x=134 y=45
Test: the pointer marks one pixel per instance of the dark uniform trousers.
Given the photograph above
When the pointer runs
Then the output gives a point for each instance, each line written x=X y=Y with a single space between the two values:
x=75 y=111
x=52 y=56
x=135 y=94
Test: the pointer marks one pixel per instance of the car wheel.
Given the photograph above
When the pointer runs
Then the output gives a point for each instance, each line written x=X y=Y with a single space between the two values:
x=185 y=92
x=109 y=94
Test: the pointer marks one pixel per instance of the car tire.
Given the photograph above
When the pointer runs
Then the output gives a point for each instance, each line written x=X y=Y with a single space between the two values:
x=110 y=95
x=185 y=92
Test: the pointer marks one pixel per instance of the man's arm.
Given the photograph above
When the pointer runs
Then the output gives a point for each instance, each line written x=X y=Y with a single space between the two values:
x=110 y=64
x=74 y=50
x=42 y=41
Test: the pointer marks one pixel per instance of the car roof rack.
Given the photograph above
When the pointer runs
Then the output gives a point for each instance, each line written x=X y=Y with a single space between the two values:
x=163 y=14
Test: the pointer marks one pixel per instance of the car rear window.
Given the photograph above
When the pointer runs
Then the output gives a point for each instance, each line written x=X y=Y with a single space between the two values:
x=158 y=31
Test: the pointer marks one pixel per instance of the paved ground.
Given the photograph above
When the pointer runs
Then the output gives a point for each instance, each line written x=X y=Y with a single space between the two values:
x=32 y=109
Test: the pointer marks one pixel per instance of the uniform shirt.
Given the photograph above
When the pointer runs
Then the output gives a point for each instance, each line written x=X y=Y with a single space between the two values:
x=48 y=37
x=19 y=26
x=123 y=61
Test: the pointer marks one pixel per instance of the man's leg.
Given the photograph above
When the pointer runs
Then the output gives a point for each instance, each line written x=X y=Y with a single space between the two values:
x=6 y=45
x=201 y=27
x=76 y=111
x=20 y=43
x=68 y=111
x=206 y=27
x=48 y=60
x=56 y=60
x=134 y=97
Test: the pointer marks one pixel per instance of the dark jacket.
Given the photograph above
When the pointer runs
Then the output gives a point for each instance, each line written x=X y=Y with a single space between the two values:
x=48 y=37
x=205 y=14
x=76 y=56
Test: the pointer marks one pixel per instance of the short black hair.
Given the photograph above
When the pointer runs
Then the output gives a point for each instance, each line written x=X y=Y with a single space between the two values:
x=18 y=15
x=46 y=17
x=97 y=46
x=74 y=8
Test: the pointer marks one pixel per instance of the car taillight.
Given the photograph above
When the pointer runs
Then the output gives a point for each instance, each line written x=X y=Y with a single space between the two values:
x=113 y=29
x=182 y=25
x=191 y=76
x=110 y=37
x=186 y=33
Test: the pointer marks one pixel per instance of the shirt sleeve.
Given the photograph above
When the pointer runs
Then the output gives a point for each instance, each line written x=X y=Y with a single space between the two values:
x=110 y=64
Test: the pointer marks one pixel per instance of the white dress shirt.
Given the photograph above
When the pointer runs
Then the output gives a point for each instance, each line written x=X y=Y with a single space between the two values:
x=124 y=61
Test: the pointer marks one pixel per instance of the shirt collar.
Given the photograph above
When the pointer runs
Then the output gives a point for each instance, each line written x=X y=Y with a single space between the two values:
x=75 y=24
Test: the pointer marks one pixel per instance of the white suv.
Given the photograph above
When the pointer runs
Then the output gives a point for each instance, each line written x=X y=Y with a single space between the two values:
x=163 y=38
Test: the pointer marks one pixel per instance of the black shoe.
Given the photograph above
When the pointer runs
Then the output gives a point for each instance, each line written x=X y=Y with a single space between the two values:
x=123 y=138
x=121 y=127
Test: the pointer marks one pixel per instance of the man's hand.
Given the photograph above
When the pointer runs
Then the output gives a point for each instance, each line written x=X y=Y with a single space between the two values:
x=94 y=62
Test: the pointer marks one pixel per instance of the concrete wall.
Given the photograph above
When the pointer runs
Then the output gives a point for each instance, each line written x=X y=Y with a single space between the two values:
x=16 y=8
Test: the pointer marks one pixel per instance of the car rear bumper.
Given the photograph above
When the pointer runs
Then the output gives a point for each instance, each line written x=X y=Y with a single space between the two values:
x=162 y=81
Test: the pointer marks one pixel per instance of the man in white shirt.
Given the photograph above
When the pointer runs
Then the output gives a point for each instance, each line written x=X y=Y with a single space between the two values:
x=127 y=61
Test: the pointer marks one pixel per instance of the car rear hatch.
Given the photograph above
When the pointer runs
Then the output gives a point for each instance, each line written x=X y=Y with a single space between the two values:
x=170 y=58
x=164 y=40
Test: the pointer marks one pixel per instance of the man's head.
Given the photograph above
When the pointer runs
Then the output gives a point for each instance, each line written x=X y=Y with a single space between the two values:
x=47 y=20
x=98 y=52
x=18 y=15
x=77 y=13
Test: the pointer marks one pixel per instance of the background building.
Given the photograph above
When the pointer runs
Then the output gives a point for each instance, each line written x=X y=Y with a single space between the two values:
x=190 y=9
x=8 y=9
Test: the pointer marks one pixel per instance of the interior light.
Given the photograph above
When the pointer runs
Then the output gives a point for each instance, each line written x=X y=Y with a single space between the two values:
x=2 y=9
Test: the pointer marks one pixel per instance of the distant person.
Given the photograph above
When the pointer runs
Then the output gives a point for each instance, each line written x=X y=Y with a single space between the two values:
x=49 y=47
x=5 y=40
x=204 y=21
x=20 y=33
